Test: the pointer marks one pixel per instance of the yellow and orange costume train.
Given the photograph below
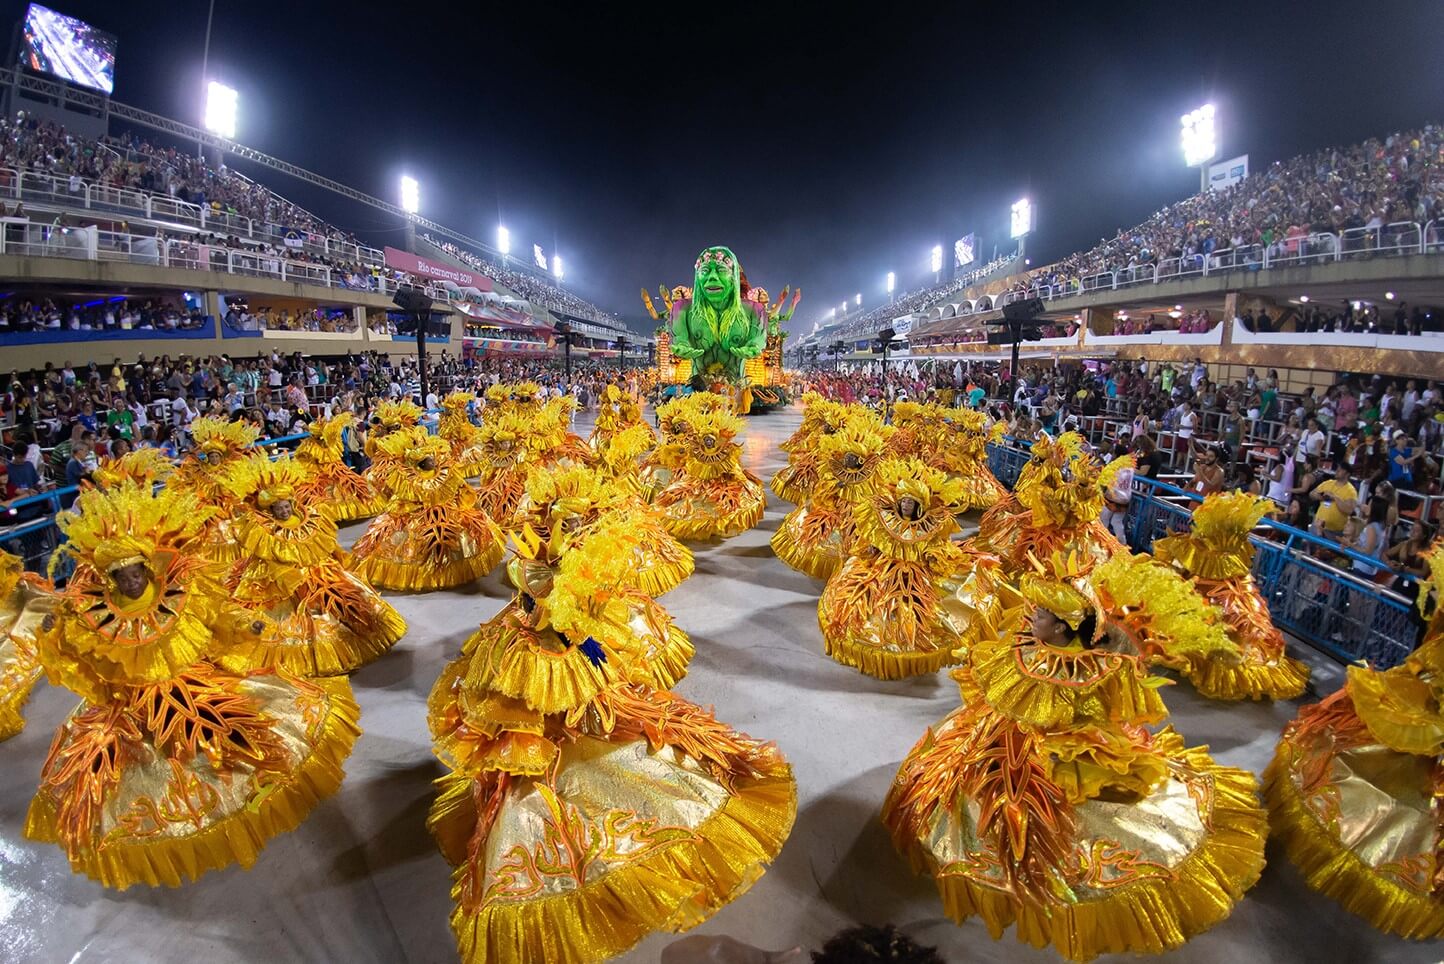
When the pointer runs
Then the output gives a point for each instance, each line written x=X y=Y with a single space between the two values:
x=458 y=429
x=586 y=805
x=25 y=599
x=171 y=766
x=1356 y=783
x=1046 y=803
x=347 y=495
x=433 y=534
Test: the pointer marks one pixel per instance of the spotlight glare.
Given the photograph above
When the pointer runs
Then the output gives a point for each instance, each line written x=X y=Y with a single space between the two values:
x=503 y=240
x=220 y=117
x=410 y=195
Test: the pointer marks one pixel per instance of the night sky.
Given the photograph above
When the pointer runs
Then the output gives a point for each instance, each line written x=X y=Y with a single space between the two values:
x=825 y=148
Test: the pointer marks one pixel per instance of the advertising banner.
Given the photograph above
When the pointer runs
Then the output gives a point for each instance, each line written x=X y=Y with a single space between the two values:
x=1227 y=173
x=432 y=271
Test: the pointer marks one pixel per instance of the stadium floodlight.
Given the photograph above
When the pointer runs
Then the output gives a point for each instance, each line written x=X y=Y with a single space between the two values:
x=891 y=282
x=937 y=258
x=1200 y=136
x=1022 y=219
x=844 y=307
x=410 y=194
x=557 y=267
x=857 y=299
x=1388 y=296
x=503 y=239
x=221 y=110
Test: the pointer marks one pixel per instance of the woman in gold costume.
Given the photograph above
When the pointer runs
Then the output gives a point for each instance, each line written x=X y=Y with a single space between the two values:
x=458 y=429
x=219 y=444
x=617 y=411
x=1045 y=802
x=25 y=599
x=663 y=561
x=171 y=766
x=587 y=807
x=325 y=620
x=1218 y=557
x=817 y=536
x=963 y=446
x=387 y=417
x=907 y=600
x=795 y=480
x=712 y=496
x=432 y=534
x=554 y=444
x=674 y=420
x=1355 y=784
x=504 y=444
x=347 y=495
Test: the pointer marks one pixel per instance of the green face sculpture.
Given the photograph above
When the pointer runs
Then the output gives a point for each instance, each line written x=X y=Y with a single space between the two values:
x=717 y=331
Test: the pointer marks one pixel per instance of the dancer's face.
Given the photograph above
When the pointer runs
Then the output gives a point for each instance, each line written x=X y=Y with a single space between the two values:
x=282 y=509
x=1049 y=628
x=131 y=581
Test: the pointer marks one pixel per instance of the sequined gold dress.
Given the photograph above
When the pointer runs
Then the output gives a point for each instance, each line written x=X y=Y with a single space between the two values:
x=1217 y=555
x=347 y=495
x=587 y=807
x=171 y=766
x=324 y=619
x=24 y=600
x=1046 y=803
x=712 y=496
x=1355 y=788
x=432 y=535
x=817 y=536
x=907 y=600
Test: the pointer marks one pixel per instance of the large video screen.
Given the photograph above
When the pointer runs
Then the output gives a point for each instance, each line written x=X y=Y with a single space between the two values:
x=68 y=48
x=965 y=251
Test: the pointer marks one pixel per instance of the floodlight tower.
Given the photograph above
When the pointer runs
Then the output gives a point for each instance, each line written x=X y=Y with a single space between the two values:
x=1200 y=141
x=891 y=284
x=1022 y=222
x=937 y=263
x=503 y=242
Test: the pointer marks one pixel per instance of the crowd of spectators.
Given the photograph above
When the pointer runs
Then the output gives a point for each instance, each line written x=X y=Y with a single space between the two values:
x=531 y=287
x=925 y=297
x=19 y=314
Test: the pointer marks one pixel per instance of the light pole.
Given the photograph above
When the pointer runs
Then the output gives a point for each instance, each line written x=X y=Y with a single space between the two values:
x=503 y=242
x=1200 y=141
x=937 y=263
x=206 y=68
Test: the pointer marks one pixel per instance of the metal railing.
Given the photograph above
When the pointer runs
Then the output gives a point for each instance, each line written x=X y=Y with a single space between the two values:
x=1338 y=612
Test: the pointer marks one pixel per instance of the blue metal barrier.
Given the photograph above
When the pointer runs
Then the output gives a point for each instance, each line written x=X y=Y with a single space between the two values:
x=1341 y=613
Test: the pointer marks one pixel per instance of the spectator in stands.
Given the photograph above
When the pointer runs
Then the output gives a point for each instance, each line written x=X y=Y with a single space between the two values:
x=1336 y=498
x=1208 y=477
x=1402 y=457
x=1151 y=462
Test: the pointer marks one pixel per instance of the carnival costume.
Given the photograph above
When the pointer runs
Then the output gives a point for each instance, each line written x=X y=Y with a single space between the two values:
x=432 y=534
x=457 y=428
x=712 y=496
x=326 y=620
x=171 y=766
x=1054 y=507
x=795 y=480
x=506 y=462
x=907 y=600
x=674 y=420
x=965 y=435
x=144 y=467
x=1355 y=786
x=617 y=411
x=219 y=444
x=1218 y=556
x=347 y=495
x=1045 y=803
x=817 y=536
x=586 y=807
x=386 y=418
x=25 y=598
x=553 y=443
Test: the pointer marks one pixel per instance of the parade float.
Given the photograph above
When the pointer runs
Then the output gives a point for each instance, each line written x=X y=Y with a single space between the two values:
x=722 y=335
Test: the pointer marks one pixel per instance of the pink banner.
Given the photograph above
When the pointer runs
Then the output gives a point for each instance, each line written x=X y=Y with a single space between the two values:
x=435 y=271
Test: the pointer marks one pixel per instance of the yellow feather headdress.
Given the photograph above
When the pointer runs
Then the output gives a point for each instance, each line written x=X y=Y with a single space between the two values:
x=110 y=528
x=219 y=438
x=397 y=413
x=266 y=481
x=141 y=466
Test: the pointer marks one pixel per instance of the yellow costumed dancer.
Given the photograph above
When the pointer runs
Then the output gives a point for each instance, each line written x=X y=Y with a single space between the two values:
x=171 y=766
x=617 y=411
x=458 y=429
x=1054 y=507
x=712 y=496
x=795 y=480
x=908 y=600
x=1218 y=556
x=25 y=599
x=387 y=417
x=964 y=450
x=817 y=536
x=432 y=534
x=1045 y=803
x=326 y=620
x=219 y=444
x=588 y=808
x=1355 y=785
x=345 y=493
x=664 y=562
x=919 y=430
x=554 y=444
x=505 y=444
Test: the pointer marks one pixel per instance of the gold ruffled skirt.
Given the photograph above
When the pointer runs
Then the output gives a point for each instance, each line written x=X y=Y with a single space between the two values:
x=1263 y=670
x=191 y=775
x=795 y=481
x=810 y=540
x=698 y=509
x=438 y=547
x=652 y=826
x=345 y=494
x=1145 y=874
x=1359 y=819
x=20 y=670
x=333 y=623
